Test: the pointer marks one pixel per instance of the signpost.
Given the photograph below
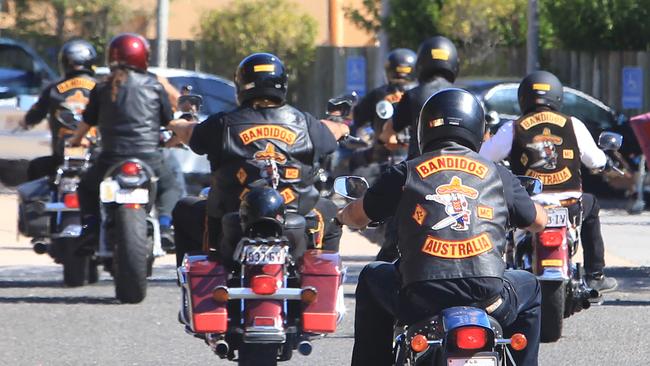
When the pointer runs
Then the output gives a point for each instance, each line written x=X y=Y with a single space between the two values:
x=632 y=88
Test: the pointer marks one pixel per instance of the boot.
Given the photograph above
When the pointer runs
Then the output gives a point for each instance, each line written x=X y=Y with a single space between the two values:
x=598 y=281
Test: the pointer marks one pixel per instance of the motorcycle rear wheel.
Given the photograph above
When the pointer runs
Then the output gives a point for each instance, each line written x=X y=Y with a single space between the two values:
x=256 y=354
x=553 y=302
x=130 y=253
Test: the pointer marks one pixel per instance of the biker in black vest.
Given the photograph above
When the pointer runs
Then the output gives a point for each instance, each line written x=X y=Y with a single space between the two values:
x=549 y=145
x=128 y=108
x=452 y=208
x=263 y=127
x=63 y=102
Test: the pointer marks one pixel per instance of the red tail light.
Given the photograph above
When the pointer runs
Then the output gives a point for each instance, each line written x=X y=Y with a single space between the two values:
x=471 y=338
x=552 y=237
x=263 y=321
x=264 y=285
x=71 y=200
x=131 y=168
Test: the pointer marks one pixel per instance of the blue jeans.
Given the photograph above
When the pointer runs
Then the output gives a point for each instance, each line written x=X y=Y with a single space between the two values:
x=377 y=299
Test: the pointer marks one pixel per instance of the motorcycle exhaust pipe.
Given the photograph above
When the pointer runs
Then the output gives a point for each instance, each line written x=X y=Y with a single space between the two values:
x=305 y=348
x=221 y=348
x=40 y=247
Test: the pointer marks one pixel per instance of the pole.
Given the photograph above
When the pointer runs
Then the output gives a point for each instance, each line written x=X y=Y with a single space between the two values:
x=532 y=40
x=380 y=77
x=163 y=25
x=335 y=23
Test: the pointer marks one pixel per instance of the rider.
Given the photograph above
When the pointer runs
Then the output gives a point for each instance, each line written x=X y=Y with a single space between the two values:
x=436 y=68
x=263 y=128
x=452 y=208
x=128 y=108
x=400 y=73
x=549 y=145
x=63 y=100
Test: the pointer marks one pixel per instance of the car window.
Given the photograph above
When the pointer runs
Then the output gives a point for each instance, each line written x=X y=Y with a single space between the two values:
x=217 y=96
x=503 y=101
x=591 y=114
x=17 y=71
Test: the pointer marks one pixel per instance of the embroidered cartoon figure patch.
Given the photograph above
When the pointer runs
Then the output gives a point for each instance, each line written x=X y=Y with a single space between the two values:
x=544 y=145
x=454 y=197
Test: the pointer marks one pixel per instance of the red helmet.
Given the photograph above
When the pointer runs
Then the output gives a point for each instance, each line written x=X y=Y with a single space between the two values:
x=129 y=50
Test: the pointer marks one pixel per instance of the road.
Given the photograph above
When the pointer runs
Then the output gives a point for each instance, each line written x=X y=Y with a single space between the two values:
x=43 y=323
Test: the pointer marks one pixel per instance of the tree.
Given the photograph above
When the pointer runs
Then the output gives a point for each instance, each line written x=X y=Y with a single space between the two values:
x=248 y=26
x=600 y=24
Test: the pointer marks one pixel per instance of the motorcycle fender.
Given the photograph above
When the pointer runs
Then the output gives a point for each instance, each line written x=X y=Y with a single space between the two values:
x=551 y=262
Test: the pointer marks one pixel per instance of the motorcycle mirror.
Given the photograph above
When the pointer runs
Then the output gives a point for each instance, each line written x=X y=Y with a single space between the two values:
x=492 y=118
x=610 y=141
x=350 y=186
x=532 y=185
x=384 y=109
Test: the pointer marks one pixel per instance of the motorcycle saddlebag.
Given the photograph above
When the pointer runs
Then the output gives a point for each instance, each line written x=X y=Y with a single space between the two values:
x=32 y=221
x=322 y=270
x=203 y=276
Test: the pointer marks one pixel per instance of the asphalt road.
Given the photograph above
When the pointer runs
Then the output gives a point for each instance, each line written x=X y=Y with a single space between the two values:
x=43 y=323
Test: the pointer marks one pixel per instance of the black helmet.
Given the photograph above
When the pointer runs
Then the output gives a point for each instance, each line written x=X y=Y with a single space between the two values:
x=342 y=105
x=261 y=75
x=262 y=205
x=540 y=88
x=437 y=56
x=452 y=114
x=77 y=55
x=400 y=65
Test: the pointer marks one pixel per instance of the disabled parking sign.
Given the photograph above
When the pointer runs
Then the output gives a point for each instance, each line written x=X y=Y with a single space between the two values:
x=632 y=88
x=355 y=76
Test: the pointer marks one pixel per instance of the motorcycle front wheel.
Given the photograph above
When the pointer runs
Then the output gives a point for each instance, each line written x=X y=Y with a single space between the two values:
x=553 y=302
x=128 y=236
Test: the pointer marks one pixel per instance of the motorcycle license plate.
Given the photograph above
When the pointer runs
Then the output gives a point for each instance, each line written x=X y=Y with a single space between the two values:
x=474 y=361
x=264 y=254
x=75 y=152
x=557 y=217
x=110 y=191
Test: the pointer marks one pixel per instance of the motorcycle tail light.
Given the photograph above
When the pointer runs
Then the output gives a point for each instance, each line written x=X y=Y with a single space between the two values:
x=131 y=168
x=264 y=321
x=71 y=200
x=471 y=338
x=264 y=285
x=552 y=237
x=419 y=343
x=518 y=341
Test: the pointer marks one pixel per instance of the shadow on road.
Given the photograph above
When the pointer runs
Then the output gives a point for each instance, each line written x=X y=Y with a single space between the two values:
x=69 y=300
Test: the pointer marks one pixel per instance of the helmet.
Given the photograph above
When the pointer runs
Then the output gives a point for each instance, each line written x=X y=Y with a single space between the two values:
x=437 y=56
x=452 y=114
x=261 y=75
x=400 y=65
x=129 y=50
x=540 y=88
x=77 y=55
x=262 y=205
x=342 y=105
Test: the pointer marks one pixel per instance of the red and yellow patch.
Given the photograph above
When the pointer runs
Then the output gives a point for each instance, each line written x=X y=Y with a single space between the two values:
x=243 y=193
x=268 y=132
x=551 y=178
x=457 y=249
x=75 y=83
x=485 y=212
x=318 y=232
x=288 y=195
x=542 y=117
x=567 y=154
x=419 y=215
x=291 y=173
x=269 y=153
x=452 y=162
x=241 y=175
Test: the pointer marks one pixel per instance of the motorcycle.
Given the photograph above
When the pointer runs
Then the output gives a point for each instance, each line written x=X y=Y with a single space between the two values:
x=275 y=297
x=549 y=255
x=48 y=209
x=456 y=336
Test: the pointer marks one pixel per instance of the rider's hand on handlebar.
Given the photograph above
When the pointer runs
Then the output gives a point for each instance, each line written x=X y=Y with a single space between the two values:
x=393 y=144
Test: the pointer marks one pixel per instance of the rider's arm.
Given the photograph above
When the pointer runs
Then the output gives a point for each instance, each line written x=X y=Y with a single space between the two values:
x=590 y=155
x=184 y=130
x=203 y=138
x=172 y=92
x=324 y=134
x=90 y=118
x=523 y=212
x=38 y=111
x=337 y=129
x=166 y=111
x=498 y=147
x=79 y=134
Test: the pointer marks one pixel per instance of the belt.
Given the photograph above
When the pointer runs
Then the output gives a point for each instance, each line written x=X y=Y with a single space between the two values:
x=569 y=202
x=490 y=305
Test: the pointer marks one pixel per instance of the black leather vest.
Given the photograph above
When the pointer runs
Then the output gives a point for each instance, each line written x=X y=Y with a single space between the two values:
x=452 y=217
x=254 y=135
x=417 y=97
x=68 y=100
x=545 y=147
x=129 y=120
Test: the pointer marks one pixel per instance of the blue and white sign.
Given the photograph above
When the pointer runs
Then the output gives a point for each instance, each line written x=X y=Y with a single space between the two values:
x=632 y=88
x=355 y=77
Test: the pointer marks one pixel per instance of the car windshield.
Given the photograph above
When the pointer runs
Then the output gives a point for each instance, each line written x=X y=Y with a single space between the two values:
x=17 y=71
x=588 y=112
x=217 y=96
x=503 y=101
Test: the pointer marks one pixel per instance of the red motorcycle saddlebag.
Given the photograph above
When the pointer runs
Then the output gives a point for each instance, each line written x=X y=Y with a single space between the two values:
x=321 y=270
x=203 y=276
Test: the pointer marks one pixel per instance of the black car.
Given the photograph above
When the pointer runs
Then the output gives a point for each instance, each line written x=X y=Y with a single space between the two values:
x=22 y=70
x=500 y=99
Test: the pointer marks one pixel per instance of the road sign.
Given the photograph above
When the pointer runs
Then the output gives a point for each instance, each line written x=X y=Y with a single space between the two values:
x=355 y=77
x=632 y=88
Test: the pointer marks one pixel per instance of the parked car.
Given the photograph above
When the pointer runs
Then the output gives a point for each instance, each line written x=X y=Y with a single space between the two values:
x=501 y=97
